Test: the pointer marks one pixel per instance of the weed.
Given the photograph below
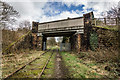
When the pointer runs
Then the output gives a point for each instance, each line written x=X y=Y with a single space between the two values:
x=77 y=69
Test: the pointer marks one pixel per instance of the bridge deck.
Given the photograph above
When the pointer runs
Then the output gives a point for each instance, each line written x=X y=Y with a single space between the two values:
x=72 y=24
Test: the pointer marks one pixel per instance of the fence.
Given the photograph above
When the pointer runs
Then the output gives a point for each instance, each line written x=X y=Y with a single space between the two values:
x=65 y=46
x=106 y=22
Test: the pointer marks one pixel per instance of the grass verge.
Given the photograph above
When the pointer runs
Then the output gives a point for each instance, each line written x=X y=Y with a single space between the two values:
x=77 y=69
x=12 y=62
x=34 y=69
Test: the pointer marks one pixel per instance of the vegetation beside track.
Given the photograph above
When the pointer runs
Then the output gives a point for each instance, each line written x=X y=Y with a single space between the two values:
x=11 y=62
x=79 y=70
x=49 y=71
x=34 y=69
x=78 y=67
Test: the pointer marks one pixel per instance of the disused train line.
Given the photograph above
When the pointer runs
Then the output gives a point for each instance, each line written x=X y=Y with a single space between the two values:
x=39 y=76
x=10 y=75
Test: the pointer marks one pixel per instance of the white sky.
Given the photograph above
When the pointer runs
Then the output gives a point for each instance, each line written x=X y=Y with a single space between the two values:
x=32 y=10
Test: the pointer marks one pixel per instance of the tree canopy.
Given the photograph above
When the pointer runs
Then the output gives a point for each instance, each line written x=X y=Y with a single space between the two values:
x=8 y=14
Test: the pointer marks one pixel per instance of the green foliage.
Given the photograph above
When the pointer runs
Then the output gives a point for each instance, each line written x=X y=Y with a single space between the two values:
x=65 y=39
x=76 y=69
x=35 y=68
x=114 y=28
x=51 y=41
x=15 y=61
x=93 y=40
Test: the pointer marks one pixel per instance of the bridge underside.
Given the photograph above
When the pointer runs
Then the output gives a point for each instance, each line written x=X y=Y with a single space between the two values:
x=77 y=38
x=67 y=31
x=76 y=28
x=56 y=34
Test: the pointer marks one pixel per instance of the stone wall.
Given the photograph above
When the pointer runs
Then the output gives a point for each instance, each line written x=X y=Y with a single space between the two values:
x=36 y=41
x=76 y=42
x=107 y=38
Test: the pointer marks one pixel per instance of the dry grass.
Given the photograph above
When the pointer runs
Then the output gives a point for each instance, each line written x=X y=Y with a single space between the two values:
x=11 y=62
x=13 y=39
x=105 y=59
x=9 y=36
x=104 y=55
x=98 y=63
x=79 y=70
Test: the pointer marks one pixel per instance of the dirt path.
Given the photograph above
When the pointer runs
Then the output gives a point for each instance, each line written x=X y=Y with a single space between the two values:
x=60 y=70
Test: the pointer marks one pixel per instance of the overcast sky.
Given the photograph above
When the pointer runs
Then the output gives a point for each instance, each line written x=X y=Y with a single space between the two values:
x=50 y=10
x=44 y=10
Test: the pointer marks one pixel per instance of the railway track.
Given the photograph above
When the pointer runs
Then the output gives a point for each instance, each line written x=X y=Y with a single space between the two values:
x=39 y=76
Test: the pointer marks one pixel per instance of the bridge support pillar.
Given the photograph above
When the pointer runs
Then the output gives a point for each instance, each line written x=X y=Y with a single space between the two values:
x=75 y=41
x=72 y=41
x=39 y=42
x=79 y=42
x=44 y=39
x=36 y=41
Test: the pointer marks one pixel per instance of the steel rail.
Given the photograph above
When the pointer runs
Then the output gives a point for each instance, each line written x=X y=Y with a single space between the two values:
x=39 y=76
x=23 y=66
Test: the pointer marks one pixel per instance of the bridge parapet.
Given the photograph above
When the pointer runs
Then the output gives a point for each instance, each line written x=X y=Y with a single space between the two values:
x=62 y=25
x=108 y=23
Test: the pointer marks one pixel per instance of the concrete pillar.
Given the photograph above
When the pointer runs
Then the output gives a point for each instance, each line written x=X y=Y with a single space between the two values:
x=44 y=39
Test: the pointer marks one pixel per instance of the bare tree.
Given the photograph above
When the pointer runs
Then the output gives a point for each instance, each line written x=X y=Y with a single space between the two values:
x=25 y=25
x=118 y=10
x=51 y=41
x=8 y=14
x=112 y=13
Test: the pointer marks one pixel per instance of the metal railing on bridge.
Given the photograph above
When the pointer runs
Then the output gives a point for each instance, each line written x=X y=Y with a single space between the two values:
x=109 y=23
